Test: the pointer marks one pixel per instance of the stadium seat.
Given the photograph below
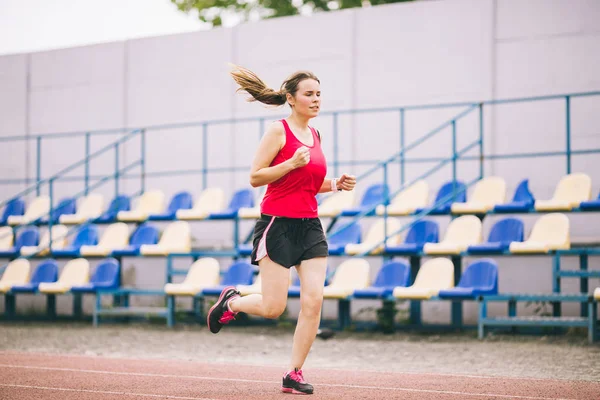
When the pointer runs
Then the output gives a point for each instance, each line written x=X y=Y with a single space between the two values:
x=349 y=276
x=239 y=273
x=210 y=200
x=59 y=239
x=107 y=276
x=241 y=198
x=144 y=234
x=487 y=193
x=86 y=235
x=337 y=242
x=115 y=237
x=39 y=207
x=408 y=200
x=522 y=200
x=180 y=201
x=64 y=207
x=203 y=273
x=375 y=238
x=391 y=275
x=550 y=232
x=571 y=190
x=480 y=278
x=450 y=192
x=374 y=195
x=502 y=234
x=462 y=232
x=420 y=232
x=15 y=207
x=333 y=205
x=434 y=275
x=177 y=238
x=245 y=249
x=150 y=202
x=26 y=236
x=46 y=271
x=75 y=273
x=592 y=205
x=16 y=273
x=252 y=212
x=597 y=294
x=6 y=239
x=89 y=209
x=118 y=204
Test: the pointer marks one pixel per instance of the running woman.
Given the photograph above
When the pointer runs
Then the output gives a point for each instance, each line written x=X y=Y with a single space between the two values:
x=290 y=161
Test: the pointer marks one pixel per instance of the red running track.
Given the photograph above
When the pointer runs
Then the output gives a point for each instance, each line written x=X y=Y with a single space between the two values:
x=48 y=376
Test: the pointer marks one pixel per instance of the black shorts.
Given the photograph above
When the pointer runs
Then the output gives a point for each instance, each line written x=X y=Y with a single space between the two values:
x=288 y=241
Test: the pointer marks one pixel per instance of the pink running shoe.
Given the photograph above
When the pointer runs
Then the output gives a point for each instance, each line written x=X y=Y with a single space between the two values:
x=219 y=314
x=293 y=382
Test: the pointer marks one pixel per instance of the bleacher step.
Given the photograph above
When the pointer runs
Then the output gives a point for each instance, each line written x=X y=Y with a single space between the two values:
x=579 y=274
x=536 y=321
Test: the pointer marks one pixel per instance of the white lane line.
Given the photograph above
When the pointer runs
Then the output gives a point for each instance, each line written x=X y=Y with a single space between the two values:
x=162 y=396
x=208 y=378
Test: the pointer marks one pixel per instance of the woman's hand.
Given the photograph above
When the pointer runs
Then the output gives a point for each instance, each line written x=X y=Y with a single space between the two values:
x=300 y=158
x=346 y=182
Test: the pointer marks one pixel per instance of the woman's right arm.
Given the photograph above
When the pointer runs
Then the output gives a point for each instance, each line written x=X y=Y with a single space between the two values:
x=272 y=141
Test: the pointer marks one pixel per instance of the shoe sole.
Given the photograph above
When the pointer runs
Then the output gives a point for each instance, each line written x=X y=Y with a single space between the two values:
x=292 y=391
x=215 y=305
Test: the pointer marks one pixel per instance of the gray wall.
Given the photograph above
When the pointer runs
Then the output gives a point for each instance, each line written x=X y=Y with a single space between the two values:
x=387 y=56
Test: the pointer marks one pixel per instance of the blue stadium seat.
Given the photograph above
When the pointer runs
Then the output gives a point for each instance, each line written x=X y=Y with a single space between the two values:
x=444 y=198
x=65 y=206
x=241 y=198
x=592 y=205
x=46 y=271
x=144 y=234
x=522 y=200
x=338 y=241
x=374 y=195
x=87 y=235
x=119 y=203
x=391 y=274
x=423 y=231
x=181 y=201
x=27 y=236
x=106 y=276
x=239 y=273
x=479 y=278
x=502 y=234
x=245 y=249
x=15 y=206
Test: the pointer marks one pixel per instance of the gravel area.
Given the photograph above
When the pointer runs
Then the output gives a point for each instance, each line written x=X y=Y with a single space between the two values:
x=558 y=357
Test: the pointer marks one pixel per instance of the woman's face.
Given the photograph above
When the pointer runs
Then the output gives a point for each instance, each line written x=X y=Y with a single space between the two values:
x=307 y=101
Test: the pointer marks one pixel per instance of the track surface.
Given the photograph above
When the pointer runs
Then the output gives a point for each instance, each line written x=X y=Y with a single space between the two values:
x=49 y=376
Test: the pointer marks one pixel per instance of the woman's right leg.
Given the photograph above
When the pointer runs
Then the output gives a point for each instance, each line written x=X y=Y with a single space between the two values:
x=275 y=281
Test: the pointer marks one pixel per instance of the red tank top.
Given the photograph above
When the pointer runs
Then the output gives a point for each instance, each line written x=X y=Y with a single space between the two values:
x=294 y=194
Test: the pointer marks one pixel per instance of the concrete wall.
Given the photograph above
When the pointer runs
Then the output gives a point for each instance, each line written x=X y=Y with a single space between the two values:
x=387 y=56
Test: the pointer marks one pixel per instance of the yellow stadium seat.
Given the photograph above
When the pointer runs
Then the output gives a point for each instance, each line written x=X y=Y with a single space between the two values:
x=210 y=200
x=407 y=201
x=75 y=273
x=150 y=202
x=462 y=232
x=597 y=294
x=434 y=275
x=59 y=241
x=333 y=205
x=115 y=237
x=90 y=208
x=17 y=272
x=176 y=238
x=487 y=193
x=550 y=232
x=571 y=190
x=6 y=238
x=39 y=207
x=202 y=274
x=374 y=236
x=349 y=276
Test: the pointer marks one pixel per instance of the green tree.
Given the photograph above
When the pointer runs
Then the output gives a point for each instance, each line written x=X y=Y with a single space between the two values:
x=213 y=11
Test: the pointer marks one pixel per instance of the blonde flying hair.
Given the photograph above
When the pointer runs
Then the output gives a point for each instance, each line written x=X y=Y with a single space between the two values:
x=250 y=83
